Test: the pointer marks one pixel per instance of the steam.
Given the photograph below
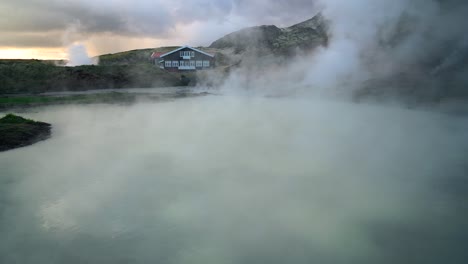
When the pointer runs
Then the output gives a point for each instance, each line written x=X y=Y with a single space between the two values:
x=248 y=179
x=370 y=40
x=78 y=55
x=76 y=51
x=237 y=180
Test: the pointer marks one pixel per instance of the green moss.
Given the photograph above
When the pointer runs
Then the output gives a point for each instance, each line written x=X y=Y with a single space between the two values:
x=14 y=119
x=16 y=131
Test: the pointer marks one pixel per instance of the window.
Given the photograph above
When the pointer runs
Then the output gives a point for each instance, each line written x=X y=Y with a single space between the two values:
x=206 y=63
x=182 y=63
x=192 y=63
x=175 y=63
x=199 y=64
x=167 y=63
x=187 y=54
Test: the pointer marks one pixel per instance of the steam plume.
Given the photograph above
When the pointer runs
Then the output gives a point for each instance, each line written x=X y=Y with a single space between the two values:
x=78 y=55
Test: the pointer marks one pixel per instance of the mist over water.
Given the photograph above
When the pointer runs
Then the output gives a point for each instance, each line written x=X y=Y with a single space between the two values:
x=248 y=179
x=226 y=179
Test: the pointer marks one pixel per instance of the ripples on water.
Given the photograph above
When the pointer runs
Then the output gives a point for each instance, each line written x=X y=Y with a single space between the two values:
x=236 y=180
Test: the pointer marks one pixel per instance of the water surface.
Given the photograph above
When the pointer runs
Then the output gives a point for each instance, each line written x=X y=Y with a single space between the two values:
x=237 y=180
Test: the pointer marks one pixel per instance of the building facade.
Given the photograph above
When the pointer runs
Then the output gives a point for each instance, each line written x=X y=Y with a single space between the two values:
x=184 y=59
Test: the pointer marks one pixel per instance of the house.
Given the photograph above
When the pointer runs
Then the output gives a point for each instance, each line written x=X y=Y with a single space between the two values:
x=184 y=58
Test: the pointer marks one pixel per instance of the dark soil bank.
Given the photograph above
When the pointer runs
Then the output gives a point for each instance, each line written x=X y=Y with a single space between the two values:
x=16 y=132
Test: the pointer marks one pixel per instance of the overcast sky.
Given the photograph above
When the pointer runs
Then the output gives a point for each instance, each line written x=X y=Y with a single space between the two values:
x=44 y=28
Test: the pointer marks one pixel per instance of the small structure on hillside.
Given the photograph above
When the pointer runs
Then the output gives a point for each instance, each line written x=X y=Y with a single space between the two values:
x=184 y=58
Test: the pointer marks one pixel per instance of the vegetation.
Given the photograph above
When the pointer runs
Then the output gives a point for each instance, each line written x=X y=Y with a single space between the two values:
x=32 y=76
x=131 y=57
x=16 y=131
x=127 y=57
x=13 y=119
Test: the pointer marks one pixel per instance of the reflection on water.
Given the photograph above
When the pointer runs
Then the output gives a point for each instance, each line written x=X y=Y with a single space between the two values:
x=236 y=180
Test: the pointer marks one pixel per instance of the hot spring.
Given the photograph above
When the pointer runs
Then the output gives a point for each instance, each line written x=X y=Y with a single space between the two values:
x=226 y=179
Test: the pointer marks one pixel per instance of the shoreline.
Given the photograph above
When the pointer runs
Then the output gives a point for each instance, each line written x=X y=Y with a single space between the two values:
x=109 y=96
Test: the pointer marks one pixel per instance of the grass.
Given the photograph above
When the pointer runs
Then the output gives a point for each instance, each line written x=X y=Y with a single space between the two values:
x=14 y=119
x=16 y=131
x=131 y=56
x=31 y=76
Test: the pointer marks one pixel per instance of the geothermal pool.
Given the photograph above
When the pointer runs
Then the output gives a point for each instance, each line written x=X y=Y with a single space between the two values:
x=224 y=179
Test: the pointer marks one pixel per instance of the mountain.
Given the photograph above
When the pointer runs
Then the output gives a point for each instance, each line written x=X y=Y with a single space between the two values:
x=263 y=40
x=305 y=35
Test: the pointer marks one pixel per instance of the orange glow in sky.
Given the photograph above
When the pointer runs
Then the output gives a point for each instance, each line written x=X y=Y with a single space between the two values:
x=33 y=53
x=95 y=46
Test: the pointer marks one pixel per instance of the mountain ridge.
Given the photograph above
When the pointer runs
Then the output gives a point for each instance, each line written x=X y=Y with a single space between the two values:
x=307 y=35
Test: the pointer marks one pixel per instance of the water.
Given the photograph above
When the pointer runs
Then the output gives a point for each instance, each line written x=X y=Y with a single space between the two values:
x=222 y=179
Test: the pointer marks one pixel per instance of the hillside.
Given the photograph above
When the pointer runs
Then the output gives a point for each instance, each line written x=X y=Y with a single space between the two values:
x=139 y=56
x=131 y=56
x=134 y=68
x=306 y=35
x=34 y=76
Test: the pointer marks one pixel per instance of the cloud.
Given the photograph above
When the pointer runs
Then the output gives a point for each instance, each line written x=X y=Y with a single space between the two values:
x=201 y=10
x=94 y=17
x=282 y=13
x=31 y=39
x=160 y=19
x=408 y=24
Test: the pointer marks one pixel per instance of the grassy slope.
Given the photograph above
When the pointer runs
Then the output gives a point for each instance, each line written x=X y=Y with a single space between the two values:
x=131 y=56
x=143 y=56
x=33 y=76
x=127 y=69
